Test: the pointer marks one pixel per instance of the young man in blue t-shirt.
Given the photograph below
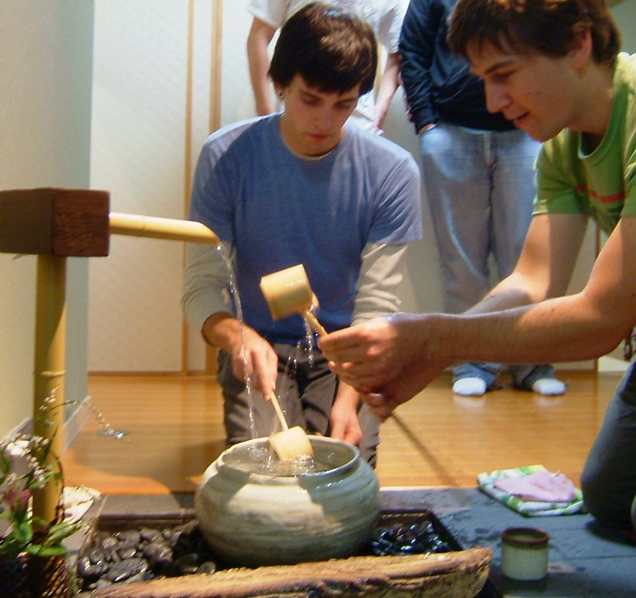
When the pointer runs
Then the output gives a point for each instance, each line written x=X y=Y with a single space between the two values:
x=300 y=187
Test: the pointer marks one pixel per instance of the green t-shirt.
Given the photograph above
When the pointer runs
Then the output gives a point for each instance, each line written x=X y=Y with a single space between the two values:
x=602 y=183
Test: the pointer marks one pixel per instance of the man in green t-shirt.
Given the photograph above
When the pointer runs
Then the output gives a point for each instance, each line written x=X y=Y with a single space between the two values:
x=552 y=67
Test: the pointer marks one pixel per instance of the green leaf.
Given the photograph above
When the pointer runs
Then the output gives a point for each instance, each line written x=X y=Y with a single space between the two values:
x=5 y=464
x=59 y=531
x=23 y=532
x=39 y=550
x=10 y=546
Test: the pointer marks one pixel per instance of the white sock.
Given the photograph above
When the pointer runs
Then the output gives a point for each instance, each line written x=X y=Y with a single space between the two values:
x=471 y=387
x=549 y=386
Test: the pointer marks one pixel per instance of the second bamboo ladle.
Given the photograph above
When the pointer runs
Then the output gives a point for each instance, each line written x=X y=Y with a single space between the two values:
x=287 y=292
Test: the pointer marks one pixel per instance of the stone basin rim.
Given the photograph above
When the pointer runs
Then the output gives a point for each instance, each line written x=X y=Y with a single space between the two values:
x=317 y=442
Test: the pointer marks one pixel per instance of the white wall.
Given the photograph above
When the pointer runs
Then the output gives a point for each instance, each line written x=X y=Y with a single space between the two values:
x=137 y=153
x=45 y=74
x=625 y=15
x=140 y=153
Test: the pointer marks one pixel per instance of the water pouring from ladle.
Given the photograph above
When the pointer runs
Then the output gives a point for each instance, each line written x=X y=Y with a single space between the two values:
x=287 y=292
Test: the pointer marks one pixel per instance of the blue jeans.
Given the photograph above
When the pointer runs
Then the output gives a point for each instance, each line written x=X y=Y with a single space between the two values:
x=480 y=190
x=608 y=480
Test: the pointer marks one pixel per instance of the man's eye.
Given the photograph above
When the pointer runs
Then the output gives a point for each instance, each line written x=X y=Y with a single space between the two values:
x=501 y=77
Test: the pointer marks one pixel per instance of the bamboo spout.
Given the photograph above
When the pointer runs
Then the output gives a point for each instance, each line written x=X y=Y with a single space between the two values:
x=161 y=228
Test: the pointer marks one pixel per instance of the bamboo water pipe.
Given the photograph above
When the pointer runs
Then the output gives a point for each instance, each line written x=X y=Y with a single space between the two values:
x=161 y=228
x=54 y=224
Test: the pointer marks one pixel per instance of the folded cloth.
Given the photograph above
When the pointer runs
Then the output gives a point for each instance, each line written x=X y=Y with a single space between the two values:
x=505 y=485
x=540 y=486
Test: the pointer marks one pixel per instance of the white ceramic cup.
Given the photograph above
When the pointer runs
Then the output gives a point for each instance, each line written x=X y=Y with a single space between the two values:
x=524 y=553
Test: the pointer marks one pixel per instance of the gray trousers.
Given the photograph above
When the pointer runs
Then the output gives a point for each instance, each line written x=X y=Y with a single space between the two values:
x=306 y=389
x=608 y=480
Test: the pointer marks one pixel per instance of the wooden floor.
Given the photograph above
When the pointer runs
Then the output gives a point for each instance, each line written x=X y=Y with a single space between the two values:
x=437 y=439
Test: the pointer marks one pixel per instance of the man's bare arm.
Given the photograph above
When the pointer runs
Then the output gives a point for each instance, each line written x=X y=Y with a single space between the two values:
x=580 y=326
x=258 y=40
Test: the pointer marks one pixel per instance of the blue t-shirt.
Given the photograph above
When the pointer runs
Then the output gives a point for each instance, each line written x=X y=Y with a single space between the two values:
x=279 y=210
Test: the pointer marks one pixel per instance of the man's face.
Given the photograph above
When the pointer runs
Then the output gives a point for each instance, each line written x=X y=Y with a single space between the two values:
x=313 y=121
x=537 y=92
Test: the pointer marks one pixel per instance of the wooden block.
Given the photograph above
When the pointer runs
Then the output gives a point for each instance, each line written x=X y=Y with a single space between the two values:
x=62 y=222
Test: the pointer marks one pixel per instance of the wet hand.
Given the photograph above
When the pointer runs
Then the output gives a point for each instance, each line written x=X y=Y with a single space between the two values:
x=369 y=355
x=256 y=359
x=344 y=422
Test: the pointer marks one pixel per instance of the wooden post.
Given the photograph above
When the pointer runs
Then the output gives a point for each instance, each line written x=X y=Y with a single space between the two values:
x=49 y=374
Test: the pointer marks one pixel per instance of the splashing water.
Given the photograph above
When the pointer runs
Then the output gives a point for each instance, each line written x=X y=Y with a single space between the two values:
x=309 y=340
x=239 y=315
x=105 y=429
x=267 y=461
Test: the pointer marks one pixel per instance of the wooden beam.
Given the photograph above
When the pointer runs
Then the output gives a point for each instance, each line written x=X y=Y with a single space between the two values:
x=53 y=221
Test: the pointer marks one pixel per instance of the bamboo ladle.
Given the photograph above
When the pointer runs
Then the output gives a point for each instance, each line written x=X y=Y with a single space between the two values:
x=287 y=292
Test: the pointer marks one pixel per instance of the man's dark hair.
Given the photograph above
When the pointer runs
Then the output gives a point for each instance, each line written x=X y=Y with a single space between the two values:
x=331 y=49
x=549 y=27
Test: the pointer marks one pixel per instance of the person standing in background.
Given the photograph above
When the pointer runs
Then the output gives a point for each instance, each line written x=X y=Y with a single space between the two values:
x=384 y=16
x=479 y=181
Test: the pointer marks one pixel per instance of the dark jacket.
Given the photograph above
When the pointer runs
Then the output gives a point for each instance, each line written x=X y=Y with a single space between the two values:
x=438 y=84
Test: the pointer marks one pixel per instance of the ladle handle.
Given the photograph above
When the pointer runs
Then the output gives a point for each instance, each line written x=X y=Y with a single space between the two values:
x=314 y=323
x=274 y=399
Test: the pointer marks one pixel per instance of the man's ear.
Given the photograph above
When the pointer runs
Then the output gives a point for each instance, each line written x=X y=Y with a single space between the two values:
x=581 y=49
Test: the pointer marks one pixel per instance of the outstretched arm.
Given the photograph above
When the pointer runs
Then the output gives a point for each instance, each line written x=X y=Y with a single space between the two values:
x=517 y=322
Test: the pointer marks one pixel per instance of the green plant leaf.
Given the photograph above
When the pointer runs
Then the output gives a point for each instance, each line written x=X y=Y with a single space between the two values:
x=59 y=531
x=22 y=532
x=37 y=549
x=5 y=464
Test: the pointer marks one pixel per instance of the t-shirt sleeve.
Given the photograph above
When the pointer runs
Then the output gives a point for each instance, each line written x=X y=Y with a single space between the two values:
x=377 y=286
x=272 y=12
x=206 y=281
x=556 y=188
x=399 y=215
x=390 y=26
x=629 y=209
